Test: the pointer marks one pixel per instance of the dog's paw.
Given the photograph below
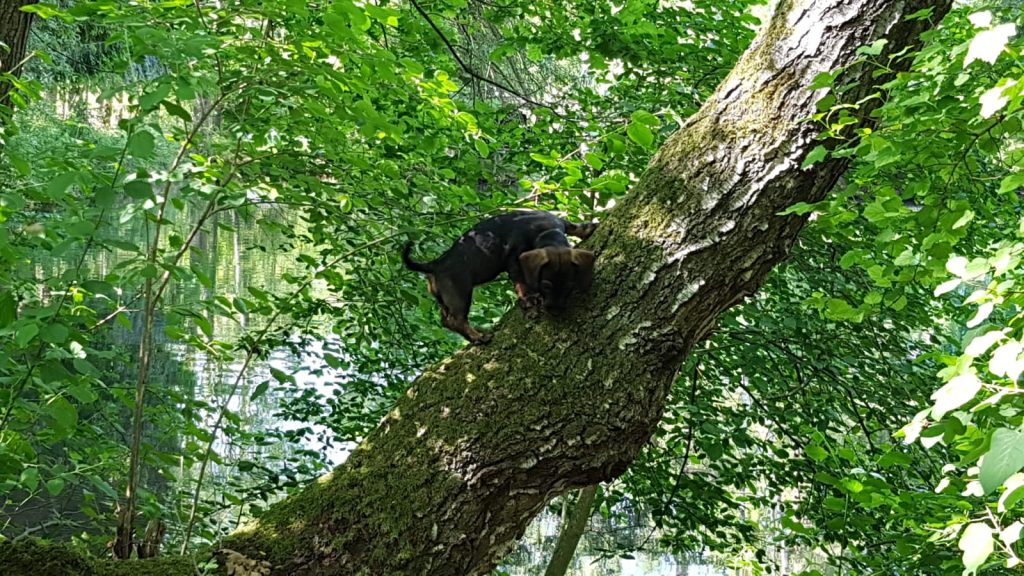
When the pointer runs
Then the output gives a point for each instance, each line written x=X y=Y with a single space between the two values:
x=482 y=338
x=531 y=307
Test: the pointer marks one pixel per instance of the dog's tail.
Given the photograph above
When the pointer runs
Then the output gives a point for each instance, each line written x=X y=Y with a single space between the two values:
x=412 y=264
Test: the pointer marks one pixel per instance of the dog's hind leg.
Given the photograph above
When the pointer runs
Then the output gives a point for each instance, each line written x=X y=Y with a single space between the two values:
x=455 y=299
x=462 y=326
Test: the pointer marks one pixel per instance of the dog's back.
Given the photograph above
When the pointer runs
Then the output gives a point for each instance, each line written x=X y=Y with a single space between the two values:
x=530 y=245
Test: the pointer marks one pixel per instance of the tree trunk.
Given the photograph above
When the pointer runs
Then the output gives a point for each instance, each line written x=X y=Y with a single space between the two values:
x=481 y=442
x=569 y=539
x=14 y=29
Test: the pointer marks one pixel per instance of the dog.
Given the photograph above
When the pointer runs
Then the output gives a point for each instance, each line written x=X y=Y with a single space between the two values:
x=530 y=245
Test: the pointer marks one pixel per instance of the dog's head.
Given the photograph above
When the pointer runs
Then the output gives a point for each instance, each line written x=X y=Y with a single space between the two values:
x=556 y=273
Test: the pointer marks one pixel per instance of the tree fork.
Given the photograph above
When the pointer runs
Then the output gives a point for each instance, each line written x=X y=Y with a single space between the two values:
x=481 y=442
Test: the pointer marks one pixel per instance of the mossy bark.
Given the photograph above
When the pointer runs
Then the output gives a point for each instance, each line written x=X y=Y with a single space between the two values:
x=14 y=29
x=481 y=442
x=32 y=557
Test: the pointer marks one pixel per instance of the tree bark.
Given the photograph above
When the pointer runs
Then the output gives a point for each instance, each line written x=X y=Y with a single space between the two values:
x=572 y=531
x=14 y=29
x=481 y=442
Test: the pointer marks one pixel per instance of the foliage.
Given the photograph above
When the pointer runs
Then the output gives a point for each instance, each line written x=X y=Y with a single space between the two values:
x=160 y=147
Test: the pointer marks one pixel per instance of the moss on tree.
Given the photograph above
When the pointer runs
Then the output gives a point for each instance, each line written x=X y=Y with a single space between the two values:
x=33 y=557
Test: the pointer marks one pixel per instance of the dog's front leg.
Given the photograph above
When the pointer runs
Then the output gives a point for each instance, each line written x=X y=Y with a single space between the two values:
x=529 y=302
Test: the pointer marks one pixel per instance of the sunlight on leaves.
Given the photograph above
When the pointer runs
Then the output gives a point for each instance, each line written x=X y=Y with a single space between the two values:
x=957 y=392
x=977 y=544
x=989 y=44
x=1006 y=360
x=994 y=99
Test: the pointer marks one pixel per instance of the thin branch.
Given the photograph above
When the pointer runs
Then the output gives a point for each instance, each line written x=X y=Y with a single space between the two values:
x=472 y=72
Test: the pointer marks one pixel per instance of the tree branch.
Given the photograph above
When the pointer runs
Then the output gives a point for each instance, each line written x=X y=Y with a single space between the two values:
x=465 y=67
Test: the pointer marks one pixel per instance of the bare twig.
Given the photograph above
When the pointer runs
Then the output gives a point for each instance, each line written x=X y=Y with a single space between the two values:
x=465 y=67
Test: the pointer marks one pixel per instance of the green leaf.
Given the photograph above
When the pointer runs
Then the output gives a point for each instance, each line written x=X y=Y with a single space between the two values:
x=62 y=414
x=44 y=11
x=29 y=479
x=25 y=334
x=1004 y=458
x=640 y=134
x=824 y=80
x=386 y=16
x=921 y=14
x=976 y=543
x=55 y=486
x=142 y=144
x=905 y=258
x=593 y=160
x=59 y=185
x=481 y=148
x=967 y=217
x=816 y=155
x=815 y=452
x=874 y=49
x=1011 y=183
x=646 y=118
x=545 y=160
x=139 y=189
x=260 y=390
x=615 y=144
x=281 y=376
x=799 y=208
x=20 y=164
x=982 y=342
x=55 y=333
x=204 y=325
x=99 y=287
x=1006 y=360
x=833 y=503
x=151 y=100
x=8 y=309
x=839 y=309
x=177 y=111
x=105 y=196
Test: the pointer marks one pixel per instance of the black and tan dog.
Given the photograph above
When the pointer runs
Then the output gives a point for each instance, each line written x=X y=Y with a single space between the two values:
x=528 y=244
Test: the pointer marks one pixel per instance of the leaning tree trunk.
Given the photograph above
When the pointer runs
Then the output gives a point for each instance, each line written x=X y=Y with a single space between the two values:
x=14 y=29
x=480 y=443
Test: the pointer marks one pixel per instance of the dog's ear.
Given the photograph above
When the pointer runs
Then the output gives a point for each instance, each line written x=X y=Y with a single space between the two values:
x=531 y=262
x=583 y=260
